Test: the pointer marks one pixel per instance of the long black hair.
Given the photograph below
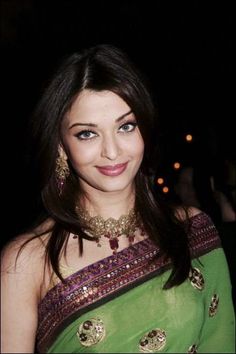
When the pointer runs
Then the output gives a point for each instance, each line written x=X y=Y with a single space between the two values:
x=102 y=67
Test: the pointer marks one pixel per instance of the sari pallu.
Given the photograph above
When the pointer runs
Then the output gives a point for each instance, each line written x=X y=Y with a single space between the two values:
x=118 y=305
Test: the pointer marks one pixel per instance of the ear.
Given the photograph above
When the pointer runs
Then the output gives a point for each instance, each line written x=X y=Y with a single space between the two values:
x=62 y=153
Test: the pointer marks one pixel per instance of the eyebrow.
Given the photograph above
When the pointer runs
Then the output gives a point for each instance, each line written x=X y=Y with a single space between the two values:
x=95 y=125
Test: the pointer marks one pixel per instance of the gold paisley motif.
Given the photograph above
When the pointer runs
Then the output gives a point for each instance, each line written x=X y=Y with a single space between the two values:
x=196 y=279
x=91 y=332
x=192 y=349
x=213 y=305
x=152 y=341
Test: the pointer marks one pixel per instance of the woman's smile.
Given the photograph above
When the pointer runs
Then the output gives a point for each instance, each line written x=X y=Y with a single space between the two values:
x=112 y=170
x=103 y=142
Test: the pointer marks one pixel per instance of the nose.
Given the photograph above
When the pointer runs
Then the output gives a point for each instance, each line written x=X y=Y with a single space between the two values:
x=110 y=147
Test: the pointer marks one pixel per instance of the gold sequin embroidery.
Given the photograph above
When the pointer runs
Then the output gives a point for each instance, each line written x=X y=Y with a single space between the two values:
x=152 y=341
x=213 y=305
x=91 y=332
x=192 y=349
x=196 y=279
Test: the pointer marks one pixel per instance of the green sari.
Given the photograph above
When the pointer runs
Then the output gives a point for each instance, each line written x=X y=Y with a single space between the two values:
x=118 y=304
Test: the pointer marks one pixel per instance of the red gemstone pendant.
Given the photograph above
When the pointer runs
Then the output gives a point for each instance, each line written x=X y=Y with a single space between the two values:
x=114 y=243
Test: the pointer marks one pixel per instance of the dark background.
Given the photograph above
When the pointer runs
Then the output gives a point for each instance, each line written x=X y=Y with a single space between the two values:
x=184 y=48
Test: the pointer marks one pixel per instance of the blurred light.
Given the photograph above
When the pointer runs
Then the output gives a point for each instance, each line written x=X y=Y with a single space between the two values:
x=160 y=180
x=176 y=165
x=165 y=189
x=188 y=137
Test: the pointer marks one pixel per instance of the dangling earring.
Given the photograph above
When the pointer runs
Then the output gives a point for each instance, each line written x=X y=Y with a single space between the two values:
x=62 y=172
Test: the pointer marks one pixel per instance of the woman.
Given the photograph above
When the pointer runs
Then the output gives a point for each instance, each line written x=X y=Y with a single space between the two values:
x=112 y=268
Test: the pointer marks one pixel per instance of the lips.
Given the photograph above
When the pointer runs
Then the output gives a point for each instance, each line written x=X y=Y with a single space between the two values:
x=112 y=170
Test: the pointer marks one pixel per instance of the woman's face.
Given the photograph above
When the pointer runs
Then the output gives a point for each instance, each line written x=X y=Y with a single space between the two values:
x=102 y=141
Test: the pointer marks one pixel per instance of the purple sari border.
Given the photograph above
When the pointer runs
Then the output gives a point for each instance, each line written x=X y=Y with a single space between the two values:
x=108 y=278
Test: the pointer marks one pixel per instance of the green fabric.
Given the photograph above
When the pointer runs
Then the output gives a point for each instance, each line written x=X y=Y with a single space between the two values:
x=182 y=312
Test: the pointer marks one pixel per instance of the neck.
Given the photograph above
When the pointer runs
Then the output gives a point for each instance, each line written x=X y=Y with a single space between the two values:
x=109 y=204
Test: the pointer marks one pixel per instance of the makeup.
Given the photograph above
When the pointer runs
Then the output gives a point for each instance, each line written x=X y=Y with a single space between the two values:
x=112 y=170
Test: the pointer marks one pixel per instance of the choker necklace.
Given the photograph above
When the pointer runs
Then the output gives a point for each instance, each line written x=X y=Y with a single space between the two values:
x=111 y=228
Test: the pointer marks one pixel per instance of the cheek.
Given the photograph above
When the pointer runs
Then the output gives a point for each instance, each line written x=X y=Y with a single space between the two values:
x=137 y=147
x=82 y=155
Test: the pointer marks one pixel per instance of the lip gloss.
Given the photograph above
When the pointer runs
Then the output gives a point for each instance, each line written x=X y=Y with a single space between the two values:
x=112 y=171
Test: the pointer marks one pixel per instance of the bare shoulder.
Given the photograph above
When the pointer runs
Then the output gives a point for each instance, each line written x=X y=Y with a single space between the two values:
x=20 y=255
x=22 y=280
x=183 y=214
x=25 y=251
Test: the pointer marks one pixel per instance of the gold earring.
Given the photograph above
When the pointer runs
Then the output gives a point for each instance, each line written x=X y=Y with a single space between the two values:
x=62 y=172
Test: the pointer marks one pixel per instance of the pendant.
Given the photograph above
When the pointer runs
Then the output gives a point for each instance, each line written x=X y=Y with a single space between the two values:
x=98 y=242
x=131 y=239
x=114 y=244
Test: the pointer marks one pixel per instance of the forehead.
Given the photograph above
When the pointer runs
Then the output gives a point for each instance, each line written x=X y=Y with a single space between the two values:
x=93 y=105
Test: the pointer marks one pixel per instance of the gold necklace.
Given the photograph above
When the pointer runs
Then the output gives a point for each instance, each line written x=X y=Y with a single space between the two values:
x=110 y=228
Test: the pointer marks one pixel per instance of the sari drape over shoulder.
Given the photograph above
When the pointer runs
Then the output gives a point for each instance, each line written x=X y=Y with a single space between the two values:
x=118 y=305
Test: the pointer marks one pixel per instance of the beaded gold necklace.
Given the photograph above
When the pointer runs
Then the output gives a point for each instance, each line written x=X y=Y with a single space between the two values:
x=110 y=228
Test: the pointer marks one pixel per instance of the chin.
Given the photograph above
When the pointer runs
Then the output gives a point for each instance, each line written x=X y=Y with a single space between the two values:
x=114 y=186
x=118 y=188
